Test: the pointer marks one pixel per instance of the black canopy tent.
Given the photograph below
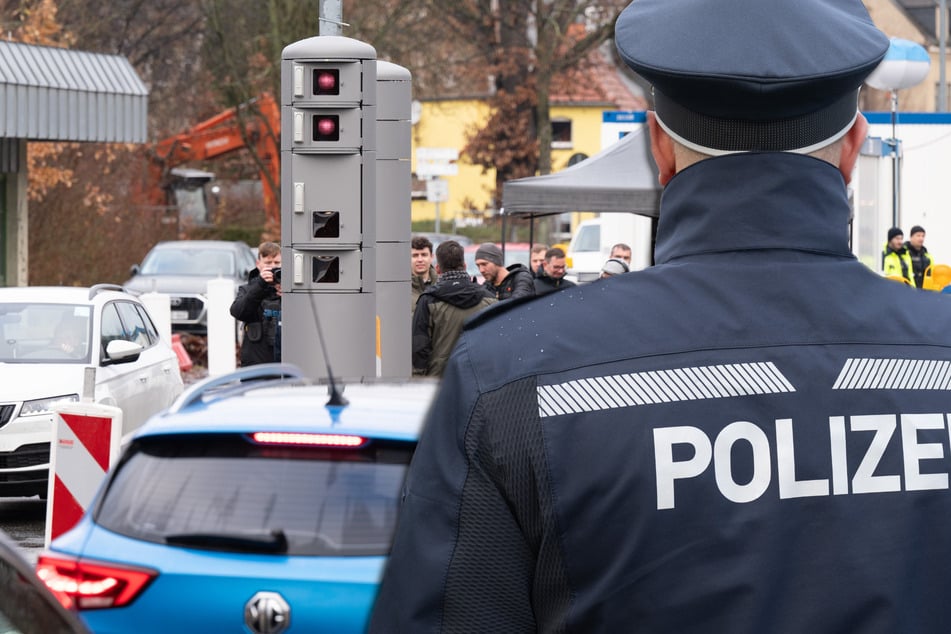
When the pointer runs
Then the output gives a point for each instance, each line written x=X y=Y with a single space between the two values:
x=620 y=178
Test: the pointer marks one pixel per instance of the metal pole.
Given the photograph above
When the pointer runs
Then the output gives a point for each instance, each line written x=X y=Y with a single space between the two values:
x=942 y=45
x=330 y=17
x=894 y=148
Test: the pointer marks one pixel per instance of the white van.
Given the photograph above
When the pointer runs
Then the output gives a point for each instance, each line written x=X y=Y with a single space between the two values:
x=591 y=244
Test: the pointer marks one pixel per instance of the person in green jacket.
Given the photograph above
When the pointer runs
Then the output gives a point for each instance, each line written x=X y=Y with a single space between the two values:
x=442 y=310
x=895 y=259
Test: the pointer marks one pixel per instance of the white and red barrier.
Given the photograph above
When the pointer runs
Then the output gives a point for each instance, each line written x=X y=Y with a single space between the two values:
x=86 y=442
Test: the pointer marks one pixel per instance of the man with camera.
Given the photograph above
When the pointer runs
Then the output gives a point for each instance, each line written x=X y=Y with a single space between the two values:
x=258 y=306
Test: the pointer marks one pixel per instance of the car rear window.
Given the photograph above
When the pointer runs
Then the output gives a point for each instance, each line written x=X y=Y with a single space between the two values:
x=228 y=493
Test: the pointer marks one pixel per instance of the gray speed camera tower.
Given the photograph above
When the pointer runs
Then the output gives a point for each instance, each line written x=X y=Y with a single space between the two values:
x=393 y=218
x=328 y=206
x=330 y=185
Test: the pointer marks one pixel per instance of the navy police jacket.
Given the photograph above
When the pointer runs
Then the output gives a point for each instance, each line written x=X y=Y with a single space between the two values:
x=750 y=436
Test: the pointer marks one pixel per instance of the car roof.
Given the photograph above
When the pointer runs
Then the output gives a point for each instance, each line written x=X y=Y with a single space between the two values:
x=62 y=294
x=201 y=244
x=436 y=238
x=391 y=409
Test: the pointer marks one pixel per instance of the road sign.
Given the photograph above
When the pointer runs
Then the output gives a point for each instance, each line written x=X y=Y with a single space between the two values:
x=437 y=190
x=436 y=161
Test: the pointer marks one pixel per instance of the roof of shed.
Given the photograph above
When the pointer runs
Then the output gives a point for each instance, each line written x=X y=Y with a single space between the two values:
x=58 y=94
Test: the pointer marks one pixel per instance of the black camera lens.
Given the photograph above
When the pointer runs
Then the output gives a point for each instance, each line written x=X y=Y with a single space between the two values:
x=277 y=275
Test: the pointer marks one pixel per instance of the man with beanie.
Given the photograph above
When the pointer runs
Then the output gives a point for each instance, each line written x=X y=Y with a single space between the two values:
x=501 y=282
x=614 y=266
x=895 y=259
x=918 y=254
x=749 y=436
x=443 y=308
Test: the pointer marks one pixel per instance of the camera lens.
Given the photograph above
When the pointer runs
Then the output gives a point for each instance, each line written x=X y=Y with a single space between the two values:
x=277 y=275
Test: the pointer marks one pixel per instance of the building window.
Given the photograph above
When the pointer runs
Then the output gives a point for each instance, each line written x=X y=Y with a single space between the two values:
x=561 y=134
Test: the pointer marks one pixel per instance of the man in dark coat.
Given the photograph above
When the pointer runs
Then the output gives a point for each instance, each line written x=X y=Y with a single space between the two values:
x=551 y=277
x=443 y=308
x=750 y=436
x=258 y=306
x=918 y=254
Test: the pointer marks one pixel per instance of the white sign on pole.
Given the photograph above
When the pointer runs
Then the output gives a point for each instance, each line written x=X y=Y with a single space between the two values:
x=437 y=190
x=436 y=161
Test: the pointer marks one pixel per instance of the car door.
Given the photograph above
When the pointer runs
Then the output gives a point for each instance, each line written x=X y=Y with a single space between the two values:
x=157 y=362
x=139 y=387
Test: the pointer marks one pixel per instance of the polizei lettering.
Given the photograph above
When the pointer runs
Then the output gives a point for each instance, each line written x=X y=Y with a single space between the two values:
x=853 y=462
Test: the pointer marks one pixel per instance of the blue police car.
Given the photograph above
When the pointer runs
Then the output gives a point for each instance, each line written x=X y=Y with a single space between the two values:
x=253 y=504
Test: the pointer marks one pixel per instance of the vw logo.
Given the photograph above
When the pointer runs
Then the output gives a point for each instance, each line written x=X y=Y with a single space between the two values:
x=267 y=613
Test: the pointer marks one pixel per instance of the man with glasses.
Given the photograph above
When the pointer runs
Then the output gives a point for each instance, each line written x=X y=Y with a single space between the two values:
x=551 y=276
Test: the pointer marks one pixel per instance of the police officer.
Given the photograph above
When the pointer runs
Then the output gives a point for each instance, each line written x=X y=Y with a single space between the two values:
x=750 y=436
x=896 y=261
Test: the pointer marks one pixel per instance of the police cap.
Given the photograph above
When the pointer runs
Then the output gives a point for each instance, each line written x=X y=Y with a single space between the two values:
x=751 y=75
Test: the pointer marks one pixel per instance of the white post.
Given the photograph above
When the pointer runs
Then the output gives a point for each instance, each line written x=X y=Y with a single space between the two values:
x=221 y=327
x=160 y=308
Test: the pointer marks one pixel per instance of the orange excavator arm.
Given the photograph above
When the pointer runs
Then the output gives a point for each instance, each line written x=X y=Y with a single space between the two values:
x=255 y=125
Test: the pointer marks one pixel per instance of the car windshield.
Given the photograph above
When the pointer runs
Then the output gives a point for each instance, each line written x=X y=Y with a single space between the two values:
x=199 y=262
x=227 y=493
x=588 y=239
x=45 y=333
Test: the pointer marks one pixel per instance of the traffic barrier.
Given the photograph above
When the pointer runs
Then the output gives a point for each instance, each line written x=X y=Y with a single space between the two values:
x=221 y=327
x=86 y=439
x=184 y=361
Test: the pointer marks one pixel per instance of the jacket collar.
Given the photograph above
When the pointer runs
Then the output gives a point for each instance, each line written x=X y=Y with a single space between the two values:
x=748 y=202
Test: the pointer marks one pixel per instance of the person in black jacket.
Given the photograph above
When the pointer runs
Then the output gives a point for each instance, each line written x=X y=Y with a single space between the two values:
x=551 y=277
x=918 y=254
x=503 y=283
x=258 y=306
x=443 y=308
x=749 y=436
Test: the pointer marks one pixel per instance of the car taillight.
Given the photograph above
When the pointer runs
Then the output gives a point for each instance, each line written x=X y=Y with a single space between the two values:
x=87 y=585
x=312 y=440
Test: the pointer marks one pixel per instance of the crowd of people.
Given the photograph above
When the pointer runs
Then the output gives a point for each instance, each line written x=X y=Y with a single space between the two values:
x=441 y=287
x=449 y=295
x=444 y=295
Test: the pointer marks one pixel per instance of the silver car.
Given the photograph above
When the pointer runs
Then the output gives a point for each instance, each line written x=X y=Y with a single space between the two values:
x=182 y=269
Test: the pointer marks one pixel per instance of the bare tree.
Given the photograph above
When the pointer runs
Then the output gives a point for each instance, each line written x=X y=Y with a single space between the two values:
x=522 y=46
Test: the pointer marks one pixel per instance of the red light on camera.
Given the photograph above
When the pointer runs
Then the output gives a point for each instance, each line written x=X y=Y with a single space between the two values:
x=326 y=81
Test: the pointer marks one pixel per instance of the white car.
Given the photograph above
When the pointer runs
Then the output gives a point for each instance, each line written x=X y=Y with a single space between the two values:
x=49 y=336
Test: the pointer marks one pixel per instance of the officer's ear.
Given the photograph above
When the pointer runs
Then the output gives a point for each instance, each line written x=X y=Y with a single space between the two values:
x=851 y=144
x=662 y=147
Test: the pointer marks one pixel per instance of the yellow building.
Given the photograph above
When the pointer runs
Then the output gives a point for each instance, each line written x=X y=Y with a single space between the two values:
x=576 y=134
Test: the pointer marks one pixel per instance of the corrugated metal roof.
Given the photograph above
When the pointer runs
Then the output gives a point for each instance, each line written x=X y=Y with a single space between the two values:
x=58 y=94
